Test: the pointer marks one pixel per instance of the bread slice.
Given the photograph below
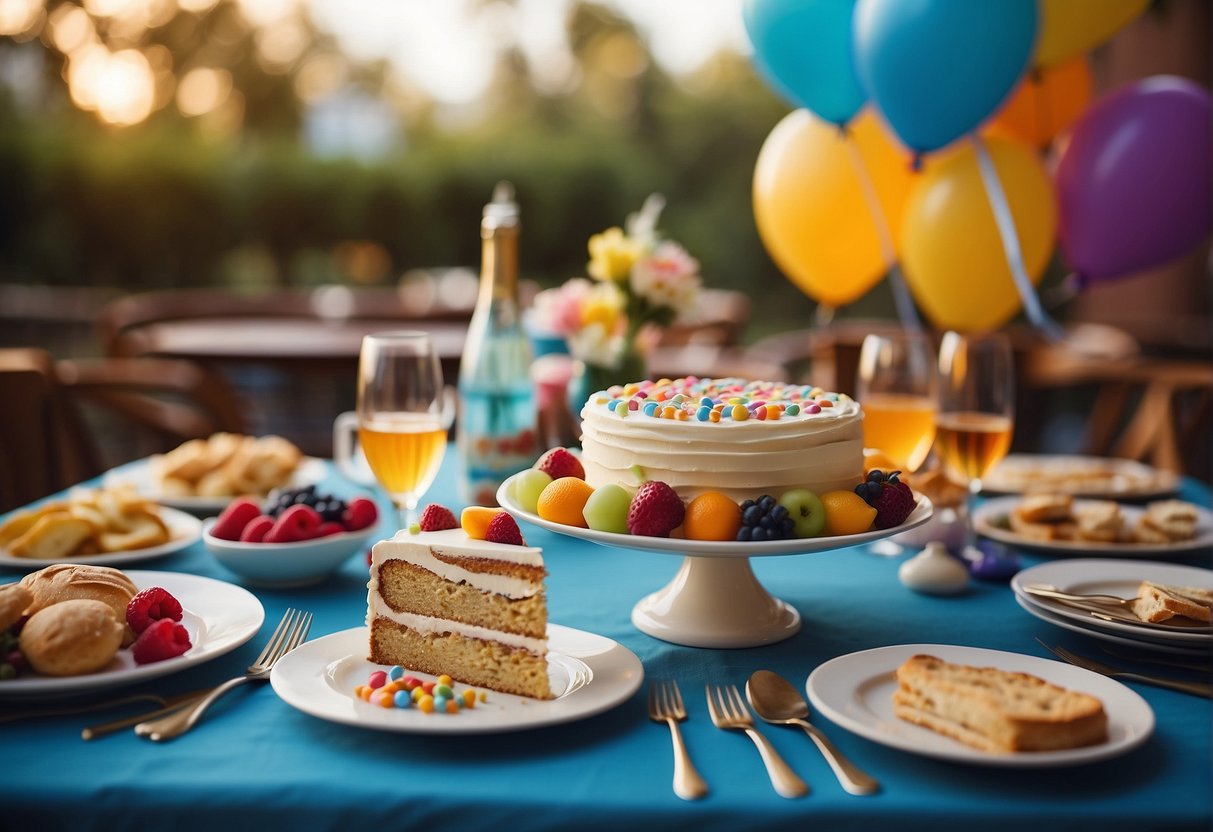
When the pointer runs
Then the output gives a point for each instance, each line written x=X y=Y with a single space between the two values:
x=996 y=710
x=1173 y=518
x=1160 y=602
x=1043 y=508
x=1100 y=520
x=1043 y=531
x=56 y=535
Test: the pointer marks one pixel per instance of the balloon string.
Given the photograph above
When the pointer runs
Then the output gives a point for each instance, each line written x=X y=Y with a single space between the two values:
x=888 y=252
x=1010 y=243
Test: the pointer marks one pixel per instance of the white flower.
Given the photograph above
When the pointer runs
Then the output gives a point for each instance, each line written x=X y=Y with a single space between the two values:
x=669 y=277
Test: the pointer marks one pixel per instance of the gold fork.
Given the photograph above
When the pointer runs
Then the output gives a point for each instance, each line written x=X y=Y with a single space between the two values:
x=291 y=632
x=1195 y=688
x=665 y=705
x=728 y=711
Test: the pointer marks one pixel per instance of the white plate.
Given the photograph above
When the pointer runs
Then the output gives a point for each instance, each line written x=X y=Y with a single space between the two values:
x=1082 y=476
x=310 y=470
x=856 y=692
x=219 y=617
x=1103 y=635
x=988 y=517
x=588 y=673
x=184 y=529
x=718 y=548
x=1089 y=576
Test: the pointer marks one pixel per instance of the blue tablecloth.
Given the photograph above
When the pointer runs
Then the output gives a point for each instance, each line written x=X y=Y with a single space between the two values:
x=257 y=763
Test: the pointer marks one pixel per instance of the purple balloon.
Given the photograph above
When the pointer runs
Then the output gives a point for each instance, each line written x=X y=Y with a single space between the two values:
x=1133 y=183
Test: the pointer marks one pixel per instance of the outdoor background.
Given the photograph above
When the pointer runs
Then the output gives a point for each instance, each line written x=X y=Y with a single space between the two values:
x=169 y=143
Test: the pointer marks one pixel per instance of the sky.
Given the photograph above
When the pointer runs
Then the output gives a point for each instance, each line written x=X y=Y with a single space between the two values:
x=448 y=47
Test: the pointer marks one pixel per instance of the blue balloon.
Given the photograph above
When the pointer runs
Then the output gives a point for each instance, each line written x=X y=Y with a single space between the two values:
x=937 y=68
x=803 y=50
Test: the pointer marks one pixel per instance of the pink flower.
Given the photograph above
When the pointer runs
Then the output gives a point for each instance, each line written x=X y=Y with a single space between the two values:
x=668 y=277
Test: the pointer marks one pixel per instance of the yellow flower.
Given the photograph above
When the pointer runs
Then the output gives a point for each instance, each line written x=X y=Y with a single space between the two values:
x=612 y=254
x=603 y=305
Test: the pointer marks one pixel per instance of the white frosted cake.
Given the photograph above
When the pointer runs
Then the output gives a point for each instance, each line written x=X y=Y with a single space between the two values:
x=740 y=438
x=441 y=602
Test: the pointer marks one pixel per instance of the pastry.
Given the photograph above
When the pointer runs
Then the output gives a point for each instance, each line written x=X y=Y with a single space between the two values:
x=1099 y=521
x=67 y=581
x=71 y=638
x=14 y=601
x=996 y=710
x=1174 y=519
x=54 y=535
x=1045 y=508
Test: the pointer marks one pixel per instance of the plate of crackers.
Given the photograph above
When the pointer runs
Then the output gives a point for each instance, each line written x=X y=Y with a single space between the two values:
x=1079 y=476
x=1063 y=524
x=107 y=526
x=204 y=475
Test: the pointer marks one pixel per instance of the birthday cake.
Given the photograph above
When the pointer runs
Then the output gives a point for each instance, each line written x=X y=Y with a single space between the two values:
x=740 y=438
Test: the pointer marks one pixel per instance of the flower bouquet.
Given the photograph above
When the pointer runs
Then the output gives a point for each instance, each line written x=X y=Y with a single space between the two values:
x=641 y=283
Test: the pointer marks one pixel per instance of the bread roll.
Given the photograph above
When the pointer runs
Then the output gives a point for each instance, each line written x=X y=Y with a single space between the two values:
x=71 y=638
x=14 y=599
x=68 y=581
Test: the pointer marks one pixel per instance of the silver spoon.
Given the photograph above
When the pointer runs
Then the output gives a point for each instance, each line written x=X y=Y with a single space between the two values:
x=777 y=701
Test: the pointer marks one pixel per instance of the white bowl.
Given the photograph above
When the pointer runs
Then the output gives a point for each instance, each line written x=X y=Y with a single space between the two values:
x=285 y=564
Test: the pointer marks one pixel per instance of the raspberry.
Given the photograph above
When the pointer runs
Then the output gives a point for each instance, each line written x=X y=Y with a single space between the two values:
x=656 y=510
x=558 y=462
x=892 y=499
x=151 y=605
x=164 y=639
x=296 y=523
x=503 y=529
x=257 y=529
x=436 y=518
x=234 y=518
x=328 y=528
x=361 y=513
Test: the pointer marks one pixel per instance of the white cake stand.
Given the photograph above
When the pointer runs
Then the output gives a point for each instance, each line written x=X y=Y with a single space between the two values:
x=715 y=600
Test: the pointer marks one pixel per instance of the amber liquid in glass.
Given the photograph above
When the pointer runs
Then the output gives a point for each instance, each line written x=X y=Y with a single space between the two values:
x=900 y=425
x=404 y=451
x=970 y=443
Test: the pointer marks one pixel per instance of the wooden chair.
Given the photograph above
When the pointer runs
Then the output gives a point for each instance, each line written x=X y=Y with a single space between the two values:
x=47 y=443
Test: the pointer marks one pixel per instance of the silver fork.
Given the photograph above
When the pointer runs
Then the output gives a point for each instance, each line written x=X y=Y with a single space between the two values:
x=728 y=711
x=291 y=632
x=665 y=705
x=1195 y=688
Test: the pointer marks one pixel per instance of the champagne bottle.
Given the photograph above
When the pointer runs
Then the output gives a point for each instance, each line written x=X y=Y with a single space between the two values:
x=496 y=434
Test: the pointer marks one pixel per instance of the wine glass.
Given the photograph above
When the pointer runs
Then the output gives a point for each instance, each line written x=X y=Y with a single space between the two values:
x=976 y=408
x=403 y=414
x=896 y=386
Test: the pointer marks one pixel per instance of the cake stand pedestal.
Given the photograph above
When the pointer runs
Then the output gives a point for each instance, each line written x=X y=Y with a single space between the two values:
x=715 y=600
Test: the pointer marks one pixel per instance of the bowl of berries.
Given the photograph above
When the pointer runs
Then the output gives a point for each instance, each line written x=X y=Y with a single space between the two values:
x=295 y=537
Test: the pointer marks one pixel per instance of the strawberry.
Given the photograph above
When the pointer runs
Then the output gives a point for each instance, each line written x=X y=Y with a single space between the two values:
x=151 y=605
x=329 y=527
x=892 y=499
x=235 y=517
x=299 y=522
x=558 y=462
x=164 y=639
x=503 y=529
x=257 y=529
x=656 y=510
x=359 y=514
x=436 y=518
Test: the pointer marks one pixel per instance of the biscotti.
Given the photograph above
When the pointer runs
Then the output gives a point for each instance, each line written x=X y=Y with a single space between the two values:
x=996 y=710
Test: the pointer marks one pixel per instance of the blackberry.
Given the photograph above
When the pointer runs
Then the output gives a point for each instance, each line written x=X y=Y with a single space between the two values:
x=329 y=508
x=764 y=519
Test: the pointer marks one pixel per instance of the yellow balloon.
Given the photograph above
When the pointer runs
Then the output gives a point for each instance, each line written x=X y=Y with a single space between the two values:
x=951 y=251
x=810 y=207
x=1071 y=27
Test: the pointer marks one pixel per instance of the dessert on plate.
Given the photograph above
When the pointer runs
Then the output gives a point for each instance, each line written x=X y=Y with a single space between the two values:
x=739 y=438
x=464 y=601
x=996 y=710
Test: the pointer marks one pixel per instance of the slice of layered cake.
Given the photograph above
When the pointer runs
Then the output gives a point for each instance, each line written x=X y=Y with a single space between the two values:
x=442 y=602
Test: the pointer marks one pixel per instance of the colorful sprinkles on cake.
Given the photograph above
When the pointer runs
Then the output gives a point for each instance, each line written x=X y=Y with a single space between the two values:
x=393 y=688
x=715 y=400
